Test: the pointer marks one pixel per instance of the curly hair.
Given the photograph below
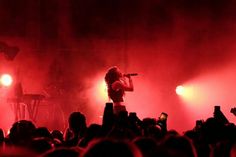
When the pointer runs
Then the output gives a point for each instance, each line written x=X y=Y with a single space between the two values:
x=112 y=75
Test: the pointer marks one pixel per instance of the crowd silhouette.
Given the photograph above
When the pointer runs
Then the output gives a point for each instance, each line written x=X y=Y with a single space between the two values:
x=121 y=135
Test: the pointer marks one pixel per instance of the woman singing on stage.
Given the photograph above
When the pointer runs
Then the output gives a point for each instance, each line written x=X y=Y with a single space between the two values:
x=116 y=86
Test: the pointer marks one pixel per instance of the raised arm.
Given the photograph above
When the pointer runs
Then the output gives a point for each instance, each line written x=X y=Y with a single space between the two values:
x=129 y=86
x=124 y=85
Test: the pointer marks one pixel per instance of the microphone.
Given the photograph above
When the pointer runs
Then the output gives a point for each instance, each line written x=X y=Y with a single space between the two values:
x=131 y=74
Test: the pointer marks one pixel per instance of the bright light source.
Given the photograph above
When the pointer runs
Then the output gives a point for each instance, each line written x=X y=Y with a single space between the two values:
x=99 y=91
x=180 y=90
x=187 y=92
x=102 y=90
x=6 y=80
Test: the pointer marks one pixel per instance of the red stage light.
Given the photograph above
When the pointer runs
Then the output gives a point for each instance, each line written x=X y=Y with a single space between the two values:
x=6 y=80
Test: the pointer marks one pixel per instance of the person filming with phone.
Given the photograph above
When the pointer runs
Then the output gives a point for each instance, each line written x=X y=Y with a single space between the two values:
x=117 y=84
